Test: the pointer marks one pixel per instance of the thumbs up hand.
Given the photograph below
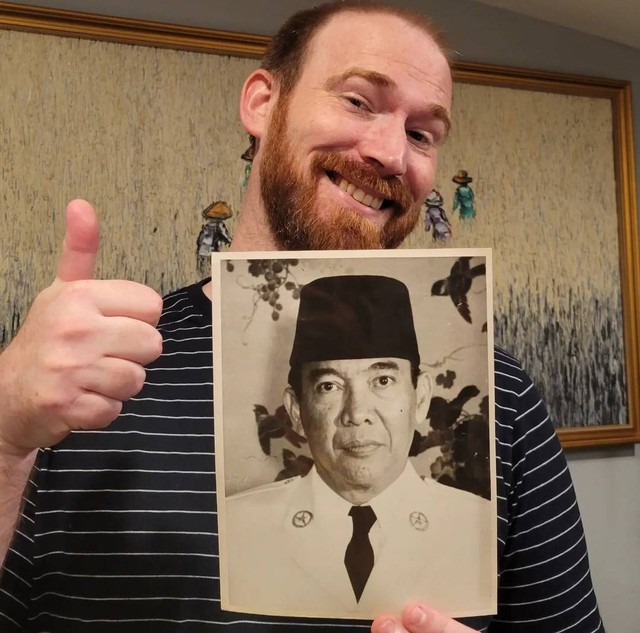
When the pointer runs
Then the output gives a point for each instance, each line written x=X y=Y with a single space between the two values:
x=82 y=349
x=80 y=246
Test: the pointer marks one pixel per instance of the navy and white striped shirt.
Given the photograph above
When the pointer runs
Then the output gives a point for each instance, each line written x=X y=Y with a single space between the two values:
x=119 y=528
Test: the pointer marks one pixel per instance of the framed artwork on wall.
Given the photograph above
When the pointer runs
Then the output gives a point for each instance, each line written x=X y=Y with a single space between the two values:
x=549 y=159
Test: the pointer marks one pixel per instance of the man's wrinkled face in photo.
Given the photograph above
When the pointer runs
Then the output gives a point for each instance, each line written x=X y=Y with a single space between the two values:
x=350 y=153
x=359 y=417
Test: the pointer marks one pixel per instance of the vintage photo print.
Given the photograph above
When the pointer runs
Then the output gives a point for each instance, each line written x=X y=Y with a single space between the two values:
x=354 y=432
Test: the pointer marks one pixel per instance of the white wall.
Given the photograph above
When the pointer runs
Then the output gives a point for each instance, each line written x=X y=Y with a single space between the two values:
x=607 y=487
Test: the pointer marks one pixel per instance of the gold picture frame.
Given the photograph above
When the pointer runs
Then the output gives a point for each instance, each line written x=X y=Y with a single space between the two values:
x=619 y=141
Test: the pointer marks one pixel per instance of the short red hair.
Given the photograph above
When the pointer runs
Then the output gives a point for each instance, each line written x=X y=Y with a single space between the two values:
x=287 y=51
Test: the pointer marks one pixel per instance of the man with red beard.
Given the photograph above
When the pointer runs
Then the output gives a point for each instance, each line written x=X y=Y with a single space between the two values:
x=118 y=529
x=346 y=150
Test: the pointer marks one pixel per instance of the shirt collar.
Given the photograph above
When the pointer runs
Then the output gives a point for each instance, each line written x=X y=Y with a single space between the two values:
x=387 y=505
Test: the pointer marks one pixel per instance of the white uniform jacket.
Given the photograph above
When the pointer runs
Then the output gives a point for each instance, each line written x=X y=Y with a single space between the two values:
x=285 y=545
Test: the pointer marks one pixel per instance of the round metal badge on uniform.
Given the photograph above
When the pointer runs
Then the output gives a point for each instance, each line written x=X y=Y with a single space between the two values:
x=302 y=518
x=418 y=521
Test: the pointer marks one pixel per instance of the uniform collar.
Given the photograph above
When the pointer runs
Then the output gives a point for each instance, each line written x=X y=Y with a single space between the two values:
x=387 y=505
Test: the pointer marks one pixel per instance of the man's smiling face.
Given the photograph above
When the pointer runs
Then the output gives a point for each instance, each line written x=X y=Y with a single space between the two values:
x=350 y=153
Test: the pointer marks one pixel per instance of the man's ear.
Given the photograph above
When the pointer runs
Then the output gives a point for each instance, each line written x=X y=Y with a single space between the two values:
x=256 y=99
x=292 y=406
x=424 y=391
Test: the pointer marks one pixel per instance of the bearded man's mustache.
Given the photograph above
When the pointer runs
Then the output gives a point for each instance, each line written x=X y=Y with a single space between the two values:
x=395 y=193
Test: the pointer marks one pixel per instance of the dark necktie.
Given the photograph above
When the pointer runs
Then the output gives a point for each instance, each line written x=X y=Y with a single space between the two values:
x=358 y=557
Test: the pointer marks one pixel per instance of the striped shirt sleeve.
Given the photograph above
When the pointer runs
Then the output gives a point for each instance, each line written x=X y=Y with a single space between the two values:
x=545 y=583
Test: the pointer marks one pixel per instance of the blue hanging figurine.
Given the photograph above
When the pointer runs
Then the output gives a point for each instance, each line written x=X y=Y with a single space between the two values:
x=463 y=197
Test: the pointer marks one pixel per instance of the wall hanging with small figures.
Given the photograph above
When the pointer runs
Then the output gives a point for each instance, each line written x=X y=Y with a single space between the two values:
x=575 y=328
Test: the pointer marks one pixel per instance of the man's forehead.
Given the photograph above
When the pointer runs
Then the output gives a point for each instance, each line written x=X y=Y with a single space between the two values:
x=344 y=365
x=379 y=44
x=356 y=32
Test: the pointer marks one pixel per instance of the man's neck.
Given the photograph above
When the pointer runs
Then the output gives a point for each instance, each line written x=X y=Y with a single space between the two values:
x=252 y=231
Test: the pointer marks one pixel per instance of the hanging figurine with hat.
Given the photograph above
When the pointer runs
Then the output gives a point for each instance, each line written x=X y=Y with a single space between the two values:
x=213 y=233
x=463 y=197
x=248 y=156
x=435 y=217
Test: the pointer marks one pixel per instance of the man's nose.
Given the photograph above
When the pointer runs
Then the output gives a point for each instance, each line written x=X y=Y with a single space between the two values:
x=356 y=408
x=385 y=146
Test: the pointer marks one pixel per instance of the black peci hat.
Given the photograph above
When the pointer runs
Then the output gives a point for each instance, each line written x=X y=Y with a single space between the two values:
x=354 y=316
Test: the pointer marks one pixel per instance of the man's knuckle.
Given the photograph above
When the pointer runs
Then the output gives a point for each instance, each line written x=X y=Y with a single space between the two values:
x=134 y=378
x=58 y=403
x=157 y=344
x=158 y=303
x=95 y=413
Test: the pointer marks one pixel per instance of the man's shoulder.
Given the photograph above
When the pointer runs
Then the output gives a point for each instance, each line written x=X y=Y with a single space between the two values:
x=448 y=505
x=451 y=495
x=446 y=510
x=507 y=362
x=262 y=497
x=188 y=304
x=510 y=377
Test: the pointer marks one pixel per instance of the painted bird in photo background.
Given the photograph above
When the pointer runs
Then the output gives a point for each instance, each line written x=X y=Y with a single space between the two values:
x=443 y=413
x=294 y=465
x=457 y=285
x=274 y=426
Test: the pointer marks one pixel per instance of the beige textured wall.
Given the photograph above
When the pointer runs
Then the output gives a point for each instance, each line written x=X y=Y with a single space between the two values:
x=150 y=136
x=544 y=183
x=544 y=177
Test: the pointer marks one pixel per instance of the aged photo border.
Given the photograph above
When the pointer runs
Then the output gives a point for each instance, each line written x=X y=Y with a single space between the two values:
x=232 y=319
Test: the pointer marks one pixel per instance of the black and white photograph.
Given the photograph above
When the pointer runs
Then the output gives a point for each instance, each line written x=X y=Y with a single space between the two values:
x=354 y=447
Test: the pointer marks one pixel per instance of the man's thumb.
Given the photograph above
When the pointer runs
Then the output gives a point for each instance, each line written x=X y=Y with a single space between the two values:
x=80 y=245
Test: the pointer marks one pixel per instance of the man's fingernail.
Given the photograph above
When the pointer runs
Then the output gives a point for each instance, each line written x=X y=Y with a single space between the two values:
x=388 y=626
x=417 y=616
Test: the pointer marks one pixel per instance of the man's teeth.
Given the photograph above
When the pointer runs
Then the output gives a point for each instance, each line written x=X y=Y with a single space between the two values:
x=359 y=195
